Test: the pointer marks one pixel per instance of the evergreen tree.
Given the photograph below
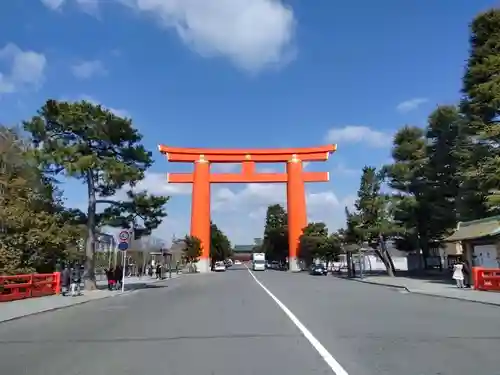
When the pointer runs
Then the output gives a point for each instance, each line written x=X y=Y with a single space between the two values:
x=372 y=221
x=220 y=246
x=315 y=243
x=407 y=177
x=441 y=174
x=90 y=143
x=36 y=231
x=191 y=251
x=275 y=242
x=479 y=151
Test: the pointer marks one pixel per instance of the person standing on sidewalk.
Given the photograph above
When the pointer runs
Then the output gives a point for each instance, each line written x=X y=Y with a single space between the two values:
x=110 y=276
x=467 y=275
x=458 y=274
x=158 y=271
x=119 y=276
x=75 y=280
x=65 y=280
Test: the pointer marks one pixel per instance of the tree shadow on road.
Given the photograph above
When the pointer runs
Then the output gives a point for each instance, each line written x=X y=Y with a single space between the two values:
x=138 y=286
x=429 y=276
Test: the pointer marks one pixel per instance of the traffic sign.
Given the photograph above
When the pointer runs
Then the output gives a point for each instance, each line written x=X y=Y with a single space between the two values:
x=124 y=236
x=123 y=246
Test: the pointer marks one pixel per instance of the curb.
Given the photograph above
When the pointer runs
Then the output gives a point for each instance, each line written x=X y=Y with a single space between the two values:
x=374 y=283
x=62 y=307
x=496 y=304
x=56 y=308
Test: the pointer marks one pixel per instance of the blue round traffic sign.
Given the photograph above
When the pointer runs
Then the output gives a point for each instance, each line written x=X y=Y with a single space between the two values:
x=123 y=246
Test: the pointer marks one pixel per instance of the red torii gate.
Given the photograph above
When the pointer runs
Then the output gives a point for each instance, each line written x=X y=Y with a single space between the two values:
x=201 y=178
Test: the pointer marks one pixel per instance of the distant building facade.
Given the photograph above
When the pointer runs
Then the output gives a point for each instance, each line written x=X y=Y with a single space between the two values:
x=243 y=252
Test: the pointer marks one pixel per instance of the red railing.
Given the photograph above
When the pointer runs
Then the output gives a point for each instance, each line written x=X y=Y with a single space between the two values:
x=27 y=286
x=486 y=278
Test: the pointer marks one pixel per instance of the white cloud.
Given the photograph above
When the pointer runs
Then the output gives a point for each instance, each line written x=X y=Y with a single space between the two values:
x=270 y=168
x=358 y=134
x=53 y=4
x=88 y=69
x=411 y=105
x=117 y=111
x=252 y=34
x=255 y=196
x=343 y=170
x=88 y=6
x=225 y=167
x=250 y=198
x=156 y=183
x=26 y=69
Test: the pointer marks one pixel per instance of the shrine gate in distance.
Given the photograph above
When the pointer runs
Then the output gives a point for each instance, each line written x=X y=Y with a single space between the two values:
x=201 y=179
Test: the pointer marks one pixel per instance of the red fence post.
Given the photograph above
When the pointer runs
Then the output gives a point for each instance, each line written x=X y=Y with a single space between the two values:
x=57 y=283
x=476 y=282
x=31 y=285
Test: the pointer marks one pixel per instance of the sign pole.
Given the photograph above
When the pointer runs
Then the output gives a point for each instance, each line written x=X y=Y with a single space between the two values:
x=123 y=269
x=123 y=245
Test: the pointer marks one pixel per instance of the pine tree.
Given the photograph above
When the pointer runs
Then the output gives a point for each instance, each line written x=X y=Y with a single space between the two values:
x=220 y=246
x=442 y=135
x=275 y=242
x=36 y=231
x=90 y=143
x=371 y=222
x=479 y=150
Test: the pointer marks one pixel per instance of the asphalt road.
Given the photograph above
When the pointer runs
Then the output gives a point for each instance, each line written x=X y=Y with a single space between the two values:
x=374 y=330
x=226 y=324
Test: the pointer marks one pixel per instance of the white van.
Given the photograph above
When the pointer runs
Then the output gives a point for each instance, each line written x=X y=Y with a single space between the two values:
x=259 y=261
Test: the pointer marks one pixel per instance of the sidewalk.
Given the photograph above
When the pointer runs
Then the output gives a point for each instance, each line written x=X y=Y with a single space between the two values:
x=30 y=306
x=435 y=288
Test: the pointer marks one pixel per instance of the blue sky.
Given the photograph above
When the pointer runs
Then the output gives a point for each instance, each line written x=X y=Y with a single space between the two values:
x=241 y=73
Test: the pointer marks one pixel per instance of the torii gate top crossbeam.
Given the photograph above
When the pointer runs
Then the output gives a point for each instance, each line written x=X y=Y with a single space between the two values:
x=275 y=155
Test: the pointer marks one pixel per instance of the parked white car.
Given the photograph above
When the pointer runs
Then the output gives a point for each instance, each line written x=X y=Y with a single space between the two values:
x=219 y=267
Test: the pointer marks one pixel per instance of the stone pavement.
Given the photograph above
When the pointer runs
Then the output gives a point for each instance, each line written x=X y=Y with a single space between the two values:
x=438 y=288
x=30 y=306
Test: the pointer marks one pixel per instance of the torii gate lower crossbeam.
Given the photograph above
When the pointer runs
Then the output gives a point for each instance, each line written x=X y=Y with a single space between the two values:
x=201 y=178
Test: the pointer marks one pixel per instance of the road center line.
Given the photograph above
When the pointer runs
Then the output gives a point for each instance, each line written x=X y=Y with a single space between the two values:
x=322 y=351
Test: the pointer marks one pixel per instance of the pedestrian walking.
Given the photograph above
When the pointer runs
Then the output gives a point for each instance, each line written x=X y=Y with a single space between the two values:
x=467 y=275
x=118 y=276
x=75 y=281
x=65 y=280
x=158 y=271
x=110 y=276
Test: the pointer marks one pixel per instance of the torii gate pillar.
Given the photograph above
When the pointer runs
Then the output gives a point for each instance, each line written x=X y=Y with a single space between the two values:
x=296 y=210
x=200 y=211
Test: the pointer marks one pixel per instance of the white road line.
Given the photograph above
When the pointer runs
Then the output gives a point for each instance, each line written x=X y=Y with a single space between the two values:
x=323 y=352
